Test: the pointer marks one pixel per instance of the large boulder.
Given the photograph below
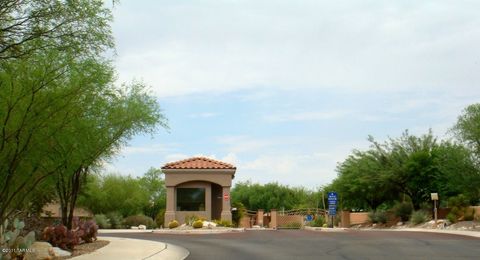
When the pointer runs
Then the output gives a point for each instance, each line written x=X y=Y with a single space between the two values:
x=40 y=250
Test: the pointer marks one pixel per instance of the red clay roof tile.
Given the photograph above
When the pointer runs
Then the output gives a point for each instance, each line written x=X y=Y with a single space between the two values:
x=198 y=163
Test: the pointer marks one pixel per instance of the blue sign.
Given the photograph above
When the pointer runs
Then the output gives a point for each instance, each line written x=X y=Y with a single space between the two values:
x=332 y=198
x=332 y=211
x=309 y=218
x=332 y=203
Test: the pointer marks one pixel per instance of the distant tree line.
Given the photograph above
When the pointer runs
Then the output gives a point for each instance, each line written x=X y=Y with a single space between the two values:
x=410 y=168
x=404 y=169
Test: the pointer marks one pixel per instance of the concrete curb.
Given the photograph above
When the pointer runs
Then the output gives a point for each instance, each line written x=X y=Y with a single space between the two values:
x=322 y=229
x=197 y=231
x=126 y=248
x=441 y=231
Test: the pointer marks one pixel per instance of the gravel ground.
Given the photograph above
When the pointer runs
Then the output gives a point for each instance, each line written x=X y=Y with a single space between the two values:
x=87 y=248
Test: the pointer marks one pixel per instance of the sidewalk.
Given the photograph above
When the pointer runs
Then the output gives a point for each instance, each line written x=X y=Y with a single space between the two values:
x=444 y=231
x=125 y=248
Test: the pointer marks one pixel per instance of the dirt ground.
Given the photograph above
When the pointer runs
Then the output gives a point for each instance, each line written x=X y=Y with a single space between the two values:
x=87 y=248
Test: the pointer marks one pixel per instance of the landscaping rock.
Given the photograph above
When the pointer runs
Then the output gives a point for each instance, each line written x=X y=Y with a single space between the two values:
x=208 y=224
x=143 y=227
x=400 y=223
x=133 y=227
x=40 y=250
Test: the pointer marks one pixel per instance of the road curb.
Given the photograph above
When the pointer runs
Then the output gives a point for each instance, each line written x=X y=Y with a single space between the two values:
x=475 y=234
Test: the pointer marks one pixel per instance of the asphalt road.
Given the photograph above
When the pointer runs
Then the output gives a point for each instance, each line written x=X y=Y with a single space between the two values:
x=300 y=244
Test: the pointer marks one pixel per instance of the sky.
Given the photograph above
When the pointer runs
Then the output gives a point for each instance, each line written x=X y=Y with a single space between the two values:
x=286 y=90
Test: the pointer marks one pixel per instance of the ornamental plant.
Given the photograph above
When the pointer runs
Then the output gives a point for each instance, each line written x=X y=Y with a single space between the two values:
x=173 y=224
x=197 y=224
x=14 y=245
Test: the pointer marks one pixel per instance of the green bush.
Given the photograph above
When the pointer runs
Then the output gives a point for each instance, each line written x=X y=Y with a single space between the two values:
x=419 y=217
x=460 y=209
x=403 y=210
x=102 y=221
x=160 y=218
x=189 y=219
x=378 y=216
x=197 y=224
x=139 y=219
x=173 y=224
x=459 y=201
x=238 y=214
x=116 y=219
x=223 y=223
x=319 y=221
x=451 y=217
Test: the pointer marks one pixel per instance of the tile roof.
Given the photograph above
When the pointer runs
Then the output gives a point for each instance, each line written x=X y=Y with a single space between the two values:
x=198 y=163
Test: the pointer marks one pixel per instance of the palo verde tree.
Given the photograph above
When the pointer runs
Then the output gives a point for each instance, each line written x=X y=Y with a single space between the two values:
x=362 y=183
x=33 y=26
x=467 y=128
x=60 y=113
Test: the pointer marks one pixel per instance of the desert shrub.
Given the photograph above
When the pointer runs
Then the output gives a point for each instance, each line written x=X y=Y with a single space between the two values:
x=403 y=210
x=459 y=201
x=378 y=216
x=11 y=240
x=319 y=221
x=86 y=230
x=189 y=219
x=223 y=223
x=102 y=221
x=61 y=237
x=160 y=218
x=116 y=219
x=419 y=216
x=452 y=217
x=238 y=214
x=197 y=224
x=460 y=209
x=139 y=219
x=173 y=224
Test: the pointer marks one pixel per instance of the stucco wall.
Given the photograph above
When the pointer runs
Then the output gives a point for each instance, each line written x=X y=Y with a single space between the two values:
x=358 y=218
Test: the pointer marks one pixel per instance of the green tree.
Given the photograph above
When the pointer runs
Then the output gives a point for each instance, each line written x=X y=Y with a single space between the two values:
x=113 y=192
x=467 y=128
x=154 y=185
x=362 y=182
x=29 y=27
x=269 y=196
x=39 y=41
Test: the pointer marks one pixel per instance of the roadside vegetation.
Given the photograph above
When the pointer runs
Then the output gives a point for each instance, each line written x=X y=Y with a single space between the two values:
x=61 y=114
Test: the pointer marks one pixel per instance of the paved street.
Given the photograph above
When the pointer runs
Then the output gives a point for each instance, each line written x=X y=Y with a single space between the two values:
x=299 y=244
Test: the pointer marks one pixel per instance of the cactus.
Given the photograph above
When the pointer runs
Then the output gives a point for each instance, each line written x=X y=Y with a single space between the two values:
x=13 y=241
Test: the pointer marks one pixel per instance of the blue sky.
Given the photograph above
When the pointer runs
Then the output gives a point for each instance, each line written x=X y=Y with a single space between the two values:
x=287 y=89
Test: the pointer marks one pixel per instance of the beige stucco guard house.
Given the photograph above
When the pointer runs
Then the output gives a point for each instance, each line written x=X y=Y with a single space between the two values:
x=198 y=186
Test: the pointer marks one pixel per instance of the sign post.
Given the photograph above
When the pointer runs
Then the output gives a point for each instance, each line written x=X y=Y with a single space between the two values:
x=332 y=206
x=434 y=198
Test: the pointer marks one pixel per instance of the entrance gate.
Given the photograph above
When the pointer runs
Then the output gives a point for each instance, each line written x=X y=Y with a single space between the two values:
x=297 y=218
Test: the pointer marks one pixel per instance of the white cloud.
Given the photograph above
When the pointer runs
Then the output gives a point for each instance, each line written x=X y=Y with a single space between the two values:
x=243 y=143
x=224 y=46
x=175 y=157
